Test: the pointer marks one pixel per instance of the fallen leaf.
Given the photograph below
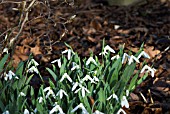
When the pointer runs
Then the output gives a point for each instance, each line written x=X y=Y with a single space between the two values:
x=151 y=51
x=35 y=50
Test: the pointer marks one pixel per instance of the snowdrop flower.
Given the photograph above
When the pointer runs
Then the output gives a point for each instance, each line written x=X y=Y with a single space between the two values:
x=91 y=60
x=75 y=66
x=114 y=96
x=98 y=112
x=61 y=92
x=125 y=57
x=50 y=92
x=26 y=111
x=148 y=69
x=21 y=94
x=96 y=79
x=56 y=108
x=6 y=112
x=40 y=99
x=69 y=51
x=82 y=88
x=5 y=50
x=33 y=69
x=143 y=54
x=127 y=93
x=32 y=61
x=121 y=110
x=133 y=58
x=107 y=48
x=87 y=77
x=124 y=102
x=66 y=76
x=115 y=57
x=116 y=27
x=74 y=86
x=58 y=61
x=10 y=75
x=80 y=106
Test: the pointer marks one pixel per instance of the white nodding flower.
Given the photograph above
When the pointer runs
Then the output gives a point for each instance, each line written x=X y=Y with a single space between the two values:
x=124 y=102
x=91 y=60
x=49 y=92
x=98 y=112
x=127 y=93
x=26 y=111
x=144 y=54
x=80 y=106
x=60 y=93
x=56 y=108
x=146 y=67
x=65 y=75
x=6 y=112
x=5 y=50
x=69 y=51
x=113 y=96
x=115 y=57
x=40 y=99
x=96 y=79
x=21 y=94
x=33 y=69
x=121 y=110
x=83 y=90
x=107 y=48
x=133 y=58
x=58 y=61
x=75 y=66
x=32 y=62
x=74 y=86
x=10 y=75
x=87 y=77
x=125 y=57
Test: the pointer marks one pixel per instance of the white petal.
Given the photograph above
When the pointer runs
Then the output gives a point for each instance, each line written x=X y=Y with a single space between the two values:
x=98 y=112
x=133 y=58
x=127 y=93
x=121 y=110
x=109 y=48
x=40 y=99
x=26 y=111
x=6 y=112
x=96 y=79
x=148 y=69
x=65 y=51
x=84 y=111
x=35 y=62
x=77 y=90
x=53 y=110
x=69 y=79
x=69 y=54
x=5 y=50
x=75 y=109
x=115 y=57
x=47 y=89
x=83 y=92
x=125 y=56
x=115 y=96
x=124 y=102
x=74 y=86
x=143 y=54
x=21 y=94
x=109 y=97
x=90 y=60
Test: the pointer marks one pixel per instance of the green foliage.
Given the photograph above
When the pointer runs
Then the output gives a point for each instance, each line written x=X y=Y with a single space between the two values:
x=87 y=84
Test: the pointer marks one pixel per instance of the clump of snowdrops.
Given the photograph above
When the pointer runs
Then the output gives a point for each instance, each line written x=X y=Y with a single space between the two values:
x=79 y=85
